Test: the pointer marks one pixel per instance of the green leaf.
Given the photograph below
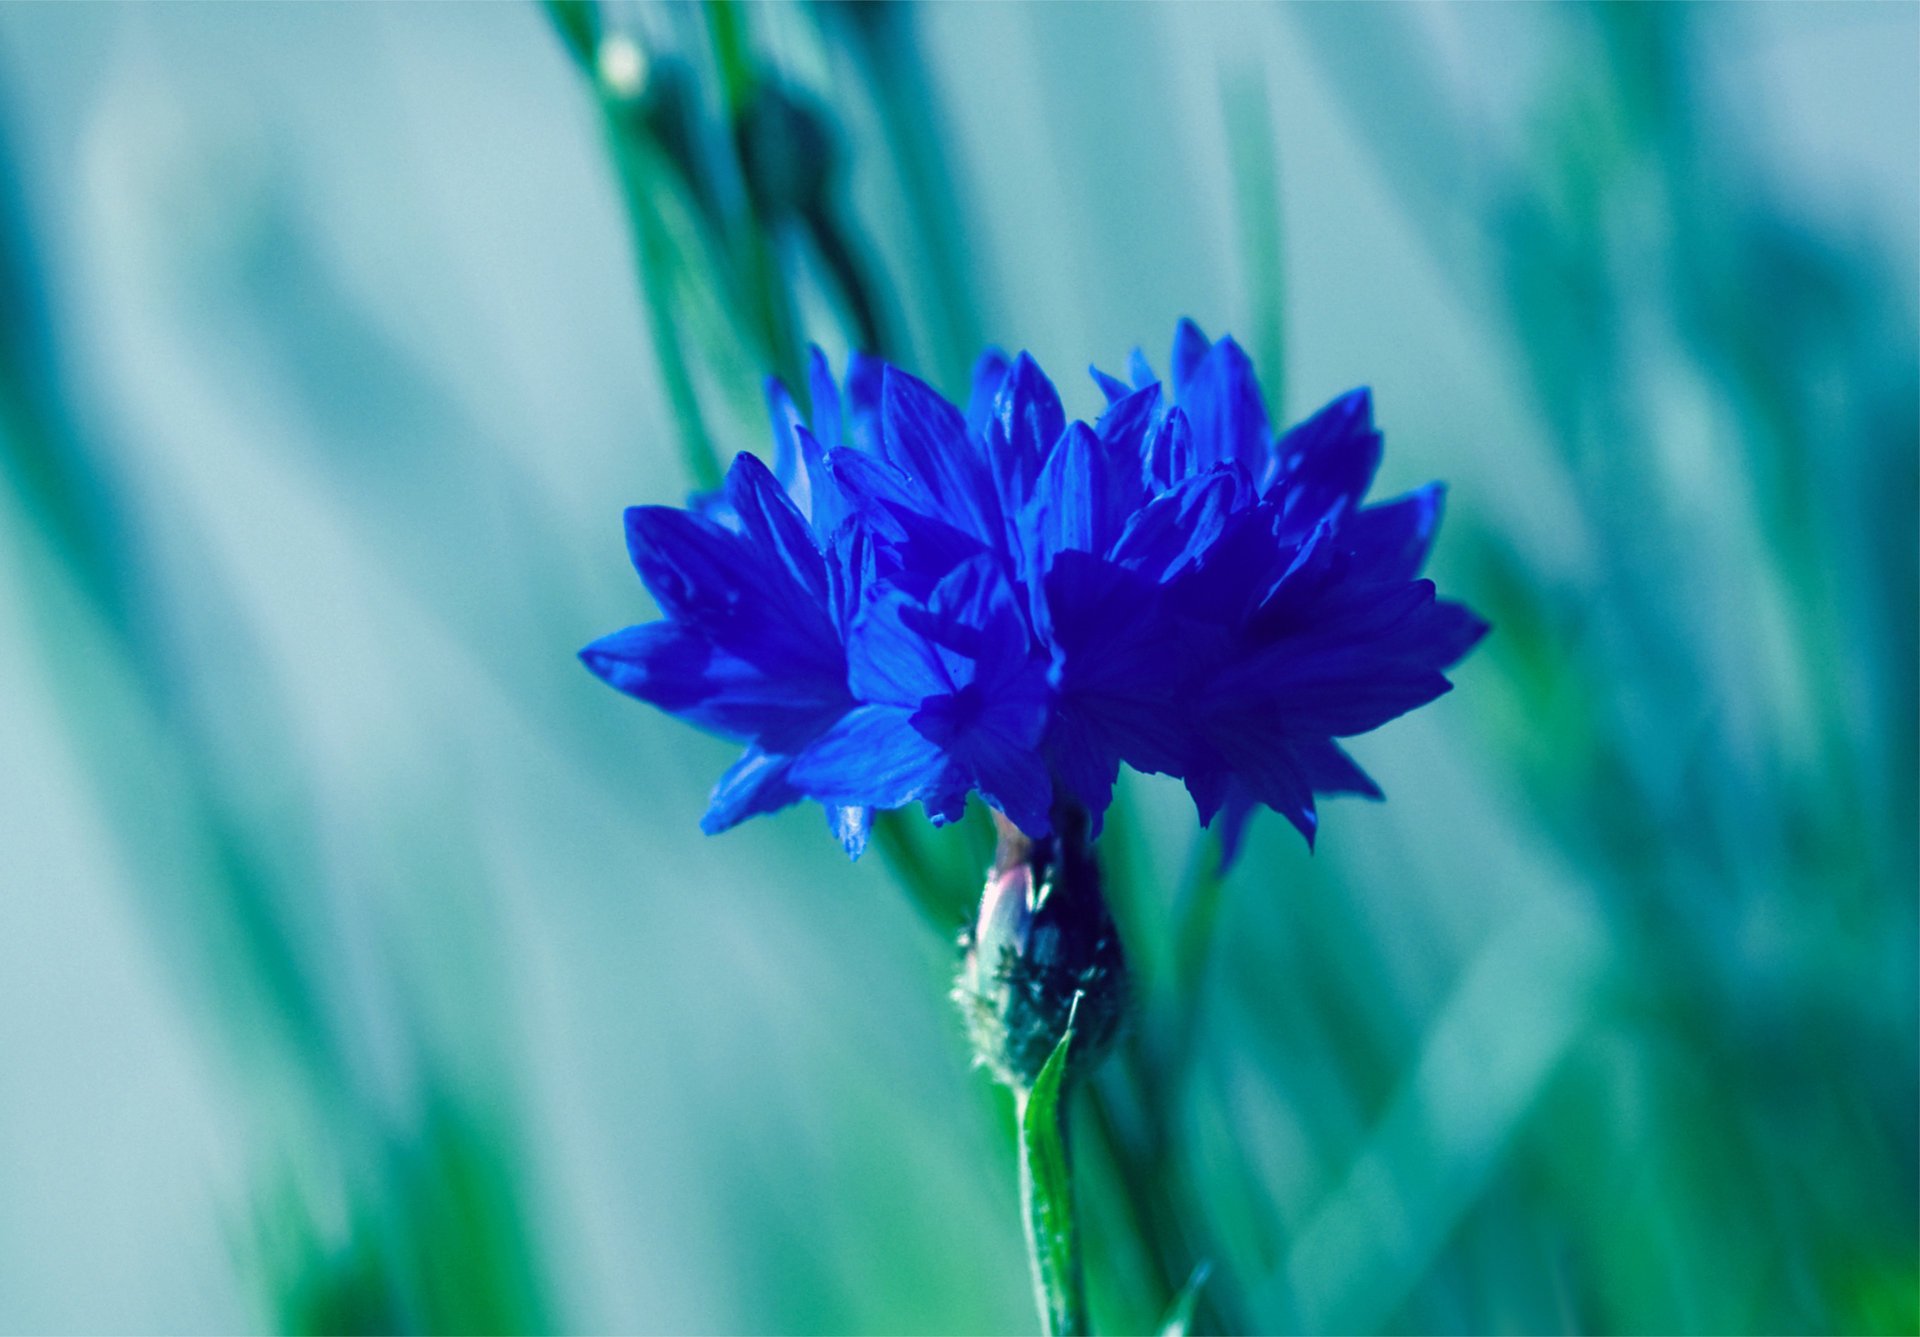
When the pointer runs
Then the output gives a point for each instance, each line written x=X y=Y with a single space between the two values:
x=1179 y=1319
x=1046 y=1192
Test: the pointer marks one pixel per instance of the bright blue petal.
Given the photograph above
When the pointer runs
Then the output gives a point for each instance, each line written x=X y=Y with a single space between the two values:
x=754 y=784
x=926 y=439
x=683 y=673
x=824 y=399
x=892 y=663
x=1221 y=398
x=873 y=757
x=1112 y=387
x=1140 y=370
x=772 y=522
x=989 y=374
x=1190 y=347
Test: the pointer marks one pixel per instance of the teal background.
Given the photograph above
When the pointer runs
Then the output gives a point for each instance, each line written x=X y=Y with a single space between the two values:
x=362 y=966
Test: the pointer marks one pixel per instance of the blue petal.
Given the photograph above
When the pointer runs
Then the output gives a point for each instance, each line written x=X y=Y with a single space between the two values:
x=1221 y=399
x=1190 y=346
x=685 y=674
x=1028 y=411
x=1085 y=762
x=745 y=595
x=890 y=662
x=1112 y=387
x=771 y=521
x=1330 y=770
x=824 y=399
x=1081 y=500
x=866 y=381
x=754 y=784
x=972 y=619
x=1169 y=451
x=1117 y=671
x=1177 y=529
x=989 y=373
x=1128 y=423
x=1390 y=540
x=926 y=439
x=1327 y=463
x=873 y=757
x=1140 y=370
x=1231 y=826
x=785 y=416
x=1452 y=630
x=814 y=490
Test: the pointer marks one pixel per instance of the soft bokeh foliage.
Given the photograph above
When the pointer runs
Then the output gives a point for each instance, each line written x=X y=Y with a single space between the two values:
x=362 y=966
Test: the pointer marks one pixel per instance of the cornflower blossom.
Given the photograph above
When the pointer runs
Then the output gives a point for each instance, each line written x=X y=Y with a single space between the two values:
x=916 y=602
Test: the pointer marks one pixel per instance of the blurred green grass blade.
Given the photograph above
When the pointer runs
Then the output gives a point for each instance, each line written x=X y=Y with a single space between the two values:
x=1046 y=1194
x=578 y=23
x=1256 y=190
x=1179 y=1319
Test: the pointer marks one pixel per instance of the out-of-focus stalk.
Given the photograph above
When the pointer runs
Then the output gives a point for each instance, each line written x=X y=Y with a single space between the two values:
x=908 y=109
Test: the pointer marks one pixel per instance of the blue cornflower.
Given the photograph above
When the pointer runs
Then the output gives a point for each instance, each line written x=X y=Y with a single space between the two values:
x=917 y=603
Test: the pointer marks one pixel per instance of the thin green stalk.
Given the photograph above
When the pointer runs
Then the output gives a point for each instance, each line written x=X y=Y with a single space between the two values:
x=654 y=252
x=1046 y=1200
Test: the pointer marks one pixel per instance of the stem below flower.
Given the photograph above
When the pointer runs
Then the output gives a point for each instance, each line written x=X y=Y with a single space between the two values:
x=1052 y=1225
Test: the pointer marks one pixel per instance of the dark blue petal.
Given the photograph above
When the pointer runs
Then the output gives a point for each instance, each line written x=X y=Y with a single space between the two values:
x=1231 y=827
x=1169 y=451
x=1452 y=630
x=1177 y=529
x=971 y=617
x=1118 y=668
x=1327 y=463
x=1390 y=540
x=1011 y=775
x=1085 y=761
x=1330 y=770
x=866 y=380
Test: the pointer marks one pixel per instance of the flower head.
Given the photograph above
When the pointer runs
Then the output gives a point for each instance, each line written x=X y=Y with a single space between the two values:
x=917 y=603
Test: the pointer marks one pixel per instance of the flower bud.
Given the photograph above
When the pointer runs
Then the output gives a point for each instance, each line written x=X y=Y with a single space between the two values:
x=1043 y=942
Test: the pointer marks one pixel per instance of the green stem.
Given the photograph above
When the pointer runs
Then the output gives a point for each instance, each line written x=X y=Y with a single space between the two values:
x=654 y=254
x=1053 y=1234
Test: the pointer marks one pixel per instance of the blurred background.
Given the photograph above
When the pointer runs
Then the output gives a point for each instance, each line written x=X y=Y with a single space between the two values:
x=362 y=967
